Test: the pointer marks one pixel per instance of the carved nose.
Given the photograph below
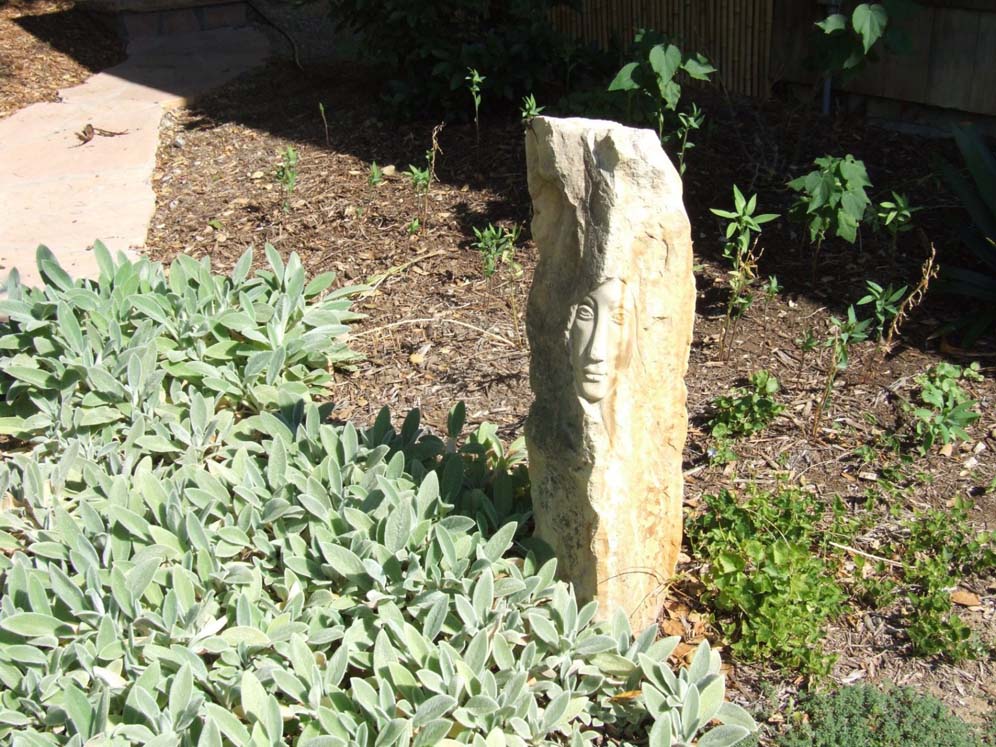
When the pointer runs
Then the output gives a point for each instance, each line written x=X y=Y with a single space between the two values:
x=599 y=342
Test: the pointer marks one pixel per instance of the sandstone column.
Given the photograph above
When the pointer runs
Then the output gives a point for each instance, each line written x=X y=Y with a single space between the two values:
x=610 y=323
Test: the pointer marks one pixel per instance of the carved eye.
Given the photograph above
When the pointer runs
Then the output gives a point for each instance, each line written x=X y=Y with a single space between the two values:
x=585 y=313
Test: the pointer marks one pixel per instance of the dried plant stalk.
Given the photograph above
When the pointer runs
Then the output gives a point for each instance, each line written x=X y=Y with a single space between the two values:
x=914 y=299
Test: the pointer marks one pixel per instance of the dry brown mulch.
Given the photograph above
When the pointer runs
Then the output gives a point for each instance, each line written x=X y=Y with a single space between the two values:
x=46 y=45
x=438 y=332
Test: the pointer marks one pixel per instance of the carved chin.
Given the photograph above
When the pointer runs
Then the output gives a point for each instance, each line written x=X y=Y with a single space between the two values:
x=592 y=389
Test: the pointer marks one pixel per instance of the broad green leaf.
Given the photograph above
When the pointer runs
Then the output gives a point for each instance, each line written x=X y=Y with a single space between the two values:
x=253 y=696
x=833 y=23
x=79 y=710
x=624 y=79
x=869 y=20
x=723 y=736
x=33 y=624
x=242 y=634
x=230 y=726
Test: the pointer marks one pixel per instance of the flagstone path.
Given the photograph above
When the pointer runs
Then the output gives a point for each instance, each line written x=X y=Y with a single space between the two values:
x=57 y=191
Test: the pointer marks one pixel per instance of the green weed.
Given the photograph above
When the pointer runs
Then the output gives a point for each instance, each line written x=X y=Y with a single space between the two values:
x=772 y=589
x=944 y=408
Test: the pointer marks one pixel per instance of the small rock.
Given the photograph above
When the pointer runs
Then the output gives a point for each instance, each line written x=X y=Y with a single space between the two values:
x=979 y=448
x=256 y=175
x=869 y=476
x=947 y=450
x=179 y=142
x=971 y=463
x=389 y=170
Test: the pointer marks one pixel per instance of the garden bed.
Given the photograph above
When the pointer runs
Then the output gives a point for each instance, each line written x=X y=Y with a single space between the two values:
x=437 y=331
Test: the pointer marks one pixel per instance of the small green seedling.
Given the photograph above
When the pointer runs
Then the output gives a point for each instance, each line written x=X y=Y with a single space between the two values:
x=896 y=216
x=746 y=410
x=845 y=333
x=376 y=175
x=287 y=172
x=497 y=247
x=739 y=249
x=886 y=304
x=474 y=80
x=529 y=109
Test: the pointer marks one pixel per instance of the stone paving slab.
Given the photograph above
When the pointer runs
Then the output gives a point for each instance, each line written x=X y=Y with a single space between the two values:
x=54 y=191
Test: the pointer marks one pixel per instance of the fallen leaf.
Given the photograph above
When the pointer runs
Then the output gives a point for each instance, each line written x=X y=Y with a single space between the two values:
x=965 y=598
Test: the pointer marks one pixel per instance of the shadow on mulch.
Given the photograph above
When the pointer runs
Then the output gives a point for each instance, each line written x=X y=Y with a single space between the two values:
x=76 y=33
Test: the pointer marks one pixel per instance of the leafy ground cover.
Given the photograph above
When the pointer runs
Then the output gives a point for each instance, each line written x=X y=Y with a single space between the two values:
x=873 y=531
x=191 y=554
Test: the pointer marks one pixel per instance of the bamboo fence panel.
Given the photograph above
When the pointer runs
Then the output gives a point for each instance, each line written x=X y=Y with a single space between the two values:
x=734 y=34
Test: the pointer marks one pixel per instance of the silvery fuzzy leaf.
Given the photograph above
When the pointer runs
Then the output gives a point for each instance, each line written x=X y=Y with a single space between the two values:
x=723 y=736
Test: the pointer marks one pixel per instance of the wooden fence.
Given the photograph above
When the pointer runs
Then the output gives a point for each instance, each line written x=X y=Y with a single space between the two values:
x=755 y=43
x=734 y=34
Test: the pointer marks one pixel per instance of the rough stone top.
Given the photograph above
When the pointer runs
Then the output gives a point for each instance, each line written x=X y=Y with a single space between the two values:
x=612 y=149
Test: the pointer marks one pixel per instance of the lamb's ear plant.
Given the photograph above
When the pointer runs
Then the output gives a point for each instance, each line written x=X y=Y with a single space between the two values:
x=182 y=567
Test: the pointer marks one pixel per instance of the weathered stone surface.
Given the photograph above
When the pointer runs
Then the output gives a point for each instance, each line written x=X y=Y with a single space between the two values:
x=609 y=322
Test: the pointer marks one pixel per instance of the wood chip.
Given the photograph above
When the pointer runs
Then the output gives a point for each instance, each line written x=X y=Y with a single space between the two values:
x=965 y=598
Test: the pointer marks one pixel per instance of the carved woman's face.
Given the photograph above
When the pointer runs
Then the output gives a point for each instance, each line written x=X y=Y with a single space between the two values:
x=598 y=340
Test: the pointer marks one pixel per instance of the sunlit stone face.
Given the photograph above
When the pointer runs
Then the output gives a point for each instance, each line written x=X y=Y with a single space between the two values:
x=598 y=340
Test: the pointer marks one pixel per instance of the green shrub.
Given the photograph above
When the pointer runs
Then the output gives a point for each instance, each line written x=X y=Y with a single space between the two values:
x=295 y=582
x=864 y=716
x=773 y=592
x=654 y=75
x=427 y=48
x=941 y=549
x=832 y=198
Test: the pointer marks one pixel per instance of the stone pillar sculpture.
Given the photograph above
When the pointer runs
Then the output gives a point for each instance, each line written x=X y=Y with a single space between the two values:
x=610 y=323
